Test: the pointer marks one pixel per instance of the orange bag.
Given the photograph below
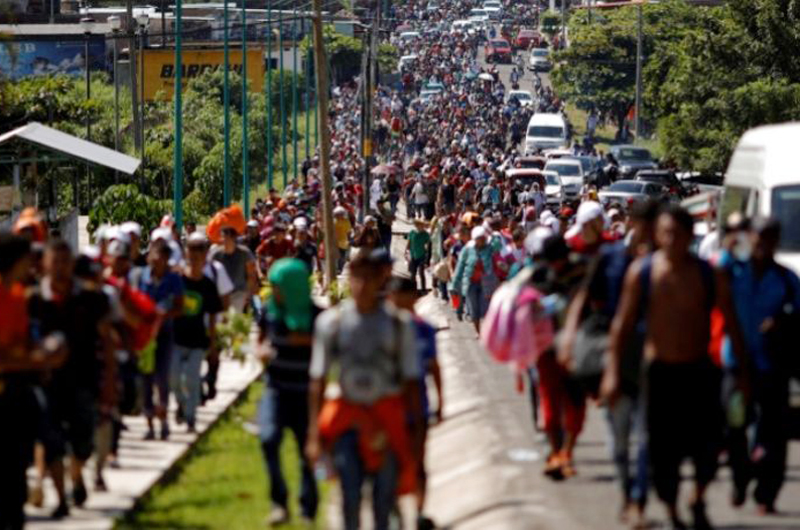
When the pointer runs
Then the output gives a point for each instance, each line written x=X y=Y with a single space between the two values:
x=233 y=216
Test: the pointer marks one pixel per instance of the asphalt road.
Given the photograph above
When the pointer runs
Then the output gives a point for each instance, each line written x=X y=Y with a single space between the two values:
x=486 y=458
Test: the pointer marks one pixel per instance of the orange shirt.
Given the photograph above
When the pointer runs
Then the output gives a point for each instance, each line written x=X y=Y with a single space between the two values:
x=14 y=318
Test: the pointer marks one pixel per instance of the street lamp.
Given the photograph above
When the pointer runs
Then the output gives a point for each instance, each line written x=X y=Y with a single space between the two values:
x=116 y=24
x=87 y=24
x=142 y=20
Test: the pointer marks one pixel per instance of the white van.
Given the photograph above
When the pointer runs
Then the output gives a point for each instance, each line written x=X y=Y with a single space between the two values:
x=545 y=131
x=762 y=179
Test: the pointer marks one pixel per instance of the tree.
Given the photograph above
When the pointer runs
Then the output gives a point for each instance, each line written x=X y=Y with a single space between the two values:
x=728 y=74
x=550 y=23
x=598 y=69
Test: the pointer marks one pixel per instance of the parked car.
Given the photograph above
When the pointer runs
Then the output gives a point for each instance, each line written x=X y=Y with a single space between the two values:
x=554 y=190
x=632 y=159
x=545 y=131
x=525 y=38
x=525 y=177
x=571 y=173
x=540 y=60
x=666 y=178
x=628 y=192
x=762 y=179
x=591 y=167
x=523 y=96
x=406 y=61
x=408 y=36
x=493 y=8
x=497 y=51
x=526 y=162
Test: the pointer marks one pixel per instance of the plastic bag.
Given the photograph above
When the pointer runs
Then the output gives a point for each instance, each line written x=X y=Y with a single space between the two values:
x=233 y=217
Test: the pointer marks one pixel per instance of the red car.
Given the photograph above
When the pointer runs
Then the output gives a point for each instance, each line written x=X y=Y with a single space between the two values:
x=497 y=51
x=526 y=38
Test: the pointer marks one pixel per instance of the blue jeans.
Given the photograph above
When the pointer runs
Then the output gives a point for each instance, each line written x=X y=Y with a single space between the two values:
x=279 y=410
x=351 y=472
x=625 y=418
x=185 y=379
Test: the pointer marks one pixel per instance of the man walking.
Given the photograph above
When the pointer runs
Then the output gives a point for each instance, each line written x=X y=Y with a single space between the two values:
x=240 y=264
x=765 y=294
x=373 y=348
x=286 y=332
x=675 y=290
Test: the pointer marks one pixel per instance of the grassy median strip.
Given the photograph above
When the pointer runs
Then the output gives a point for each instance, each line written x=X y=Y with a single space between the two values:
x=222 y=483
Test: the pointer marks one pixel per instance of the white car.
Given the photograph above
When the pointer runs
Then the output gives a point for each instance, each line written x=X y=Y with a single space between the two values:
x=478 y=13
x=540 y=60
x=409 y=36
x=571 y=173
x=553 y=189
x=406 y=61
x=523 y=96
x=545 y=131
x=493 y=8
x=462 y=27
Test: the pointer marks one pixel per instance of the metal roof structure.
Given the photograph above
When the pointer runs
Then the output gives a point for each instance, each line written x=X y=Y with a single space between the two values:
x=63 y=146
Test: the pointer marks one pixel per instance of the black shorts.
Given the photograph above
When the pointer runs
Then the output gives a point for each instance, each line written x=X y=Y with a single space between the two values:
x=69 y=424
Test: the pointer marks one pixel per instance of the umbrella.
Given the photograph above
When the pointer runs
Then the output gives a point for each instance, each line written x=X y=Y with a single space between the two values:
x=385 y=169
x=486 y=77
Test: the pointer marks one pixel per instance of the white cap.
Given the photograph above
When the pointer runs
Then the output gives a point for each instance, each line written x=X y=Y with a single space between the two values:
x=301 y=223
x=478 y=232
x=534 y=242
x=197 y=237
x=131 y=228
x=161 y=233
x=588 y=211
x=339 y=210
x=115 y=233
x=252 y=223
x=547 y=214
x=551 y=222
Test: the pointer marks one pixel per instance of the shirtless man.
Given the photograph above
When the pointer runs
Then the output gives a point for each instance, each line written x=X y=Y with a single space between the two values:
x=675 y=292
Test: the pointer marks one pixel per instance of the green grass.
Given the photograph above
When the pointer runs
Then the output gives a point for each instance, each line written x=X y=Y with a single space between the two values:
x=605 y=135
x=222 y=484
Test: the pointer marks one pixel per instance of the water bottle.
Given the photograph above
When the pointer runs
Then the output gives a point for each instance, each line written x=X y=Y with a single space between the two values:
x=737 y=411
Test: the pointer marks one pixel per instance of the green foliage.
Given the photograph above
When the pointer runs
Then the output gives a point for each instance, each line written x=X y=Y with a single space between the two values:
x=388 y=55
x=60 y=102
x=342 y=51
x=729 y=72
x=233 y=334
x=122 y=203
x=550 y=22
x=598 y=69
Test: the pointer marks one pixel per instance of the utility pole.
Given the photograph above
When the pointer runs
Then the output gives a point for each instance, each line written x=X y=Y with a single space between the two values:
x=131 y=26
x=226 y=110
x=364 y=89
x=177 y=176
x=324 y=146
x=294 y=93
x=269 y=95
x=638 y=109
x=245 y=145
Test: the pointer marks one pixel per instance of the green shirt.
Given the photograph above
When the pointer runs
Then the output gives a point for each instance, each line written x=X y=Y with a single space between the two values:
x=417 y=243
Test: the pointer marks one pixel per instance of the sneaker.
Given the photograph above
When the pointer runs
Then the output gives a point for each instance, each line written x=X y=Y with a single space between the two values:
x=165 y=432
x=190 y=427
x=100 y=484
x=60 y=512
x=766 y=509
x=79 y=494
x=179 y=417
x=424 y=523
x=150 y=435
x=278 y=516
